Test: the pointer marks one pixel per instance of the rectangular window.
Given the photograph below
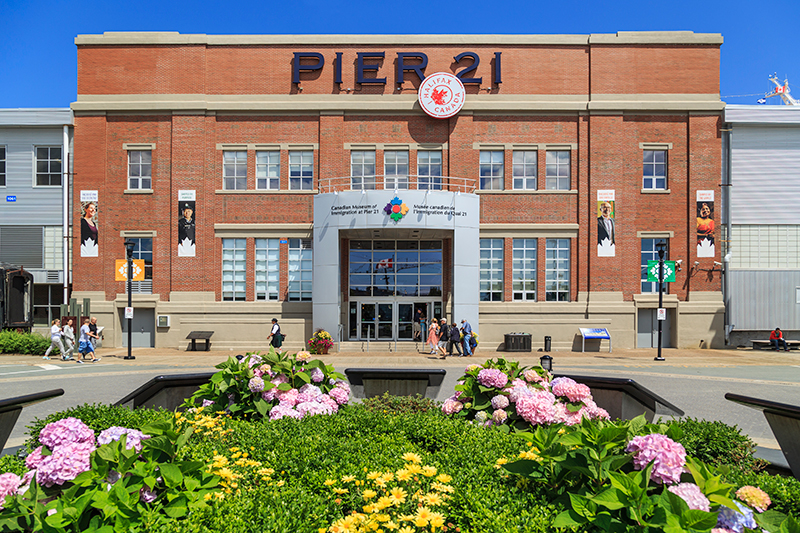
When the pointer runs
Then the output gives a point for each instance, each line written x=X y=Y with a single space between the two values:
x=491 y=270
x=650 y=253
x=556 y=281
x=429 y=169
x=46 y=303
x=301 y=170
x=395 y=268
x=395 y=169
x=301 y=267
x=362 y=170
x=48 y=166
x=140 y=169
x=491 y=170
x=2 y=166
x=143 y=250
x=234 y=259
x=654 y=169
x=525 y=169
x=234 y=171
x=267 y=261
x=523 y=276
x=557 y=170
x=268 y=170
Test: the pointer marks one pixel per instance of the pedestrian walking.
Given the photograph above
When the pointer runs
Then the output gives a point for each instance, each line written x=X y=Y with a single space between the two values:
x=454 y=340
x=275 y=335
x=466 y=329
x=55 y=341
x=69 y=338
x=433 y=336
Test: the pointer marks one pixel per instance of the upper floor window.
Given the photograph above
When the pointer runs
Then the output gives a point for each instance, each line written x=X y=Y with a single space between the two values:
x=557 y=170
x=362 y=169
x=301 y=268
x=491 y=270
x=395 y=169
x=650 y=253
x=2 y=166
x=143 y=249
x=491 y=170
x=234 y=171
x=268 y=170
x=301 y=170
x=523 y=283
x=654 y=169
x=140 y=169
x=556 y=277
x=429 y=169
x=525 y=169
x=48 y=165
x=267 y=263
x=234 y=265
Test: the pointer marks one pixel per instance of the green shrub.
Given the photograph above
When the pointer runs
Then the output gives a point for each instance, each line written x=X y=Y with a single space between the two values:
x=98 y=417
x=23 y=343
x=13 y=464
x=783 y=491
x=717 y=443
x=397 y=405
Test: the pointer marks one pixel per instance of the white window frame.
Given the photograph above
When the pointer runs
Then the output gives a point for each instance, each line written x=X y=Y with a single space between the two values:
x=394 y=178
x=301 y=269
x=301 y=170
x=235 y=160
x=267 y=269
x=140 y=166
x=36 y=160
x=491 y=170
x=523 y=269
x=430 y=177
x=234 y=268
x=3 y=164
x=268 y=170
x=491 y=270
x=556 y=179
x=650 y=182
x=524 y=171
x=360 y=176
x=557 y=274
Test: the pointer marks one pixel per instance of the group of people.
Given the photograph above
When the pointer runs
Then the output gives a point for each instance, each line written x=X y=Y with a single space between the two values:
x=443 y=338
x=59 y=336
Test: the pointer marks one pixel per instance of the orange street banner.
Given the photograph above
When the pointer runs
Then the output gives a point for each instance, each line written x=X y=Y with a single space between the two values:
x=121 y=270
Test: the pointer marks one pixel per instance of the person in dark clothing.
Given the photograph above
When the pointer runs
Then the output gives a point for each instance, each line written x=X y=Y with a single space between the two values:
x=454 y=340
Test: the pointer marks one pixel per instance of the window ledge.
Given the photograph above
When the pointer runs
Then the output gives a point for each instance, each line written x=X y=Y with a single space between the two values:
x=266 y=191
x=525 y=191
x=138 y=191
x=656 y=191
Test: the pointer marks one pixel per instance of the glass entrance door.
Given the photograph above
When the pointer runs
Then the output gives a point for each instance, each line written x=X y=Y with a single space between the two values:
x=388 y=320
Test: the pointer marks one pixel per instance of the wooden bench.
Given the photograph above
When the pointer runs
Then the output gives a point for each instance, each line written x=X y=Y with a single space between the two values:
x=783 y=420
x=11 y=408
x=767 y=345
x=195 y=336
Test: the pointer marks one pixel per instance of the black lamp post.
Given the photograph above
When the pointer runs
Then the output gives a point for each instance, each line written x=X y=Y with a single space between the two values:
x=546 y=362
x=660 y=247
x=129 y=246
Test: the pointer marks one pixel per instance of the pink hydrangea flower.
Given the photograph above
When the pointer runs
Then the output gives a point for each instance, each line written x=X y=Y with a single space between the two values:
x=451 y=406
x=280 y=411
x=330 y=402
x=311 y=390
x=575 y=392
x=269 y=395
x=253 y=359
x=515 y=393
x=692 y=495
x=341 y=395
x=492 y=377
x=34 y=459
x=132 y=441
x=591 y=410
x=66 y=462
x=64 y=431
x=287 y=398
x=499 y=416
x=567 y=417
x=9 y=483
x=537 y=408
x=314 y=408
x=500 y=402
x=317 y=376
x=754 y=497
x=667 y=456
x=341 y=384
x=303 y=356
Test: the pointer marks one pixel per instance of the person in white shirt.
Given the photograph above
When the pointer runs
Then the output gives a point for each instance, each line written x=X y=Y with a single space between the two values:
x=85 y=342
x=55 y=341
x=69 y=338
x=276 y=339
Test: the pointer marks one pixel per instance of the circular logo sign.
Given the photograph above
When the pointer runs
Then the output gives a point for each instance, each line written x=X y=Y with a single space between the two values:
x=441 y=95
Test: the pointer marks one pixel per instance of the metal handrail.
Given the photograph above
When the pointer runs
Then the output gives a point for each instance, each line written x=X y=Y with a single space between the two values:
x=378 y=182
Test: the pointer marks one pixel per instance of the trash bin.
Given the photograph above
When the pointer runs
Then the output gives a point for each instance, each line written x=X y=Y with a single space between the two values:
x=547 y=341
x=517 y=342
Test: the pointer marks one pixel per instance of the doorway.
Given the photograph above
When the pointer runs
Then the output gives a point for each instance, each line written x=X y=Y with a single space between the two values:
x=647 y=329
x=143 y=327
x=388 y=320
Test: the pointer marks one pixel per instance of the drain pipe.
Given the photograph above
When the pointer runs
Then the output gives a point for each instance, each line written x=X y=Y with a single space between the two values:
x=726 y=213
x=65 y=162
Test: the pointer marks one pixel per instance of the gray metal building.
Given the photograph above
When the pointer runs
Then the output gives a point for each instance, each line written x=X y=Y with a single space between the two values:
x=762 y=164
x=35 y=149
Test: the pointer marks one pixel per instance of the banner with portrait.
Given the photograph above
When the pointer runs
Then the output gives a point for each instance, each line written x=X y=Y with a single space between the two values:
x=89 y=234
x=606 y=224
x=705 y=224
x=187 y=218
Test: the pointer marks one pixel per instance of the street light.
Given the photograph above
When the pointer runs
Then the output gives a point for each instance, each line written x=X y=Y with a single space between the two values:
x=660 y=246
x=546 y=362
x=129 y=246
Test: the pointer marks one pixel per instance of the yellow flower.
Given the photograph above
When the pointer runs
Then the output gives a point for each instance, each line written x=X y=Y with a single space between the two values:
x=382 y=517
x=432 y=499
x=420 y=522
x=500 y=462
x=369 y=508
x=390 y=525
x=403 y=475
x=368 y=494
x=347 y=479
x=380 y=482
x=397 y=495
x=373 y=475
x=384 y=502
x=281 y=483
x=424 y=513
x=388 y=476
x=329 y=482
x=406 y=529
x=413 y=468
x=444 y=478
x=208 y=496
x=337 y=490
x=428 y=471
x=437 y=520
x=412 y=457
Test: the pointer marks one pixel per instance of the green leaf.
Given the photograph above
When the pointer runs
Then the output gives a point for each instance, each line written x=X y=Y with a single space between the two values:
x=609 y=498
x=582 y=505
x=177 y=508
x=523 y=467
x=790 y=525
x=184 y=438
x=284 y=386
x=569 y=519
x=107 y=452
x=120 y=492
x=191 y=483
x=697 y=519
x=172 y=474
x=262 y=406
x=304 y=376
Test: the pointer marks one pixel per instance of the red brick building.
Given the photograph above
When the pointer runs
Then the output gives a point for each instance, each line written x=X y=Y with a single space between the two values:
x=270 y=140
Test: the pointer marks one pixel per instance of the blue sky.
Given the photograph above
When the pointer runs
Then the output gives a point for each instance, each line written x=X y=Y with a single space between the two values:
x=38 y=56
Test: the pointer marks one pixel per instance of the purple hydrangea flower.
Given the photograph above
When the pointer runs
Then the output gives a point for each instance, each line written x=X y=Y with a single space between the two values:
x=147 y=495
x=499 y=416
x=668 y=457
x=692 y=495
x=253 y=359
x=66 y=462
x=132 y=441
x=256 y=385
x=317 y=375
x=65 y=431
x=500 y=402
x=736 y=521
x=280 y=411
x=492 y=377
x=206 y=403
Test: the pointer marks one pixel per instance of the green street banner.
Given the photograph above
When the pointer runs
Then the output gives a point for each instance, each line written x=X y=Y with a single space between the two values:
x=669 y=271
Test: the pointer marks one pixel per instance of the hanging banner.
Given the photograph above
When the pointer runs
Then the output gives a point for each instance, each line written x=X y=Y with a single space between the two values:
x=705 y=224
x=89 y=238
x=606 y=225
x=186 y=223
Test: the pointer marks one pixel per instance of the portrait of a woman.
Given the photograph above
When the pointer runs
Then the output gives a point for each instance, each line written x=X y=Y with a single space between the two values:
x=89 y=230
